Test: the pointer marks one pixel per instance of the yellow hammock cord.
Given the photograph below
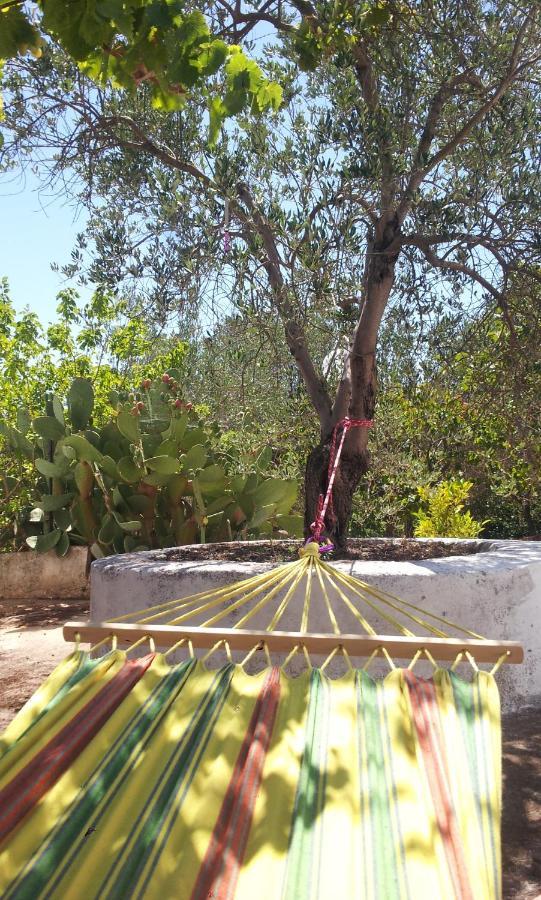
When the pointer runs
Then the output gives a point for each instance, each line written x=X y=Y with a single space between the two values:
x=252 y=595
x=339 y=591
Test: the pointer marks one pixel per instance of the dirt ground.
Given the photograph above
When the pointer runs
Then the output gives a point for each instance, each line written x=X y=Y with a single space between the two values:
x=390 y=549
x=31 y=645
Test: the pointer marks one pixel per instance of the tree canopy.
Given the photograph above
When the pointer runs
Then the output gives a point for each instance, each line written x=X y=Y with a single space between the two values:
x=160 y=43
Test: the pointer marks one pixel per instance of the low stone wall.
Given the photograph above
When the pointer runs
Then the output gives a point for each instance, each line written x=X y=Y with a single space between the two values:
x=495 y=592
x=28 y=576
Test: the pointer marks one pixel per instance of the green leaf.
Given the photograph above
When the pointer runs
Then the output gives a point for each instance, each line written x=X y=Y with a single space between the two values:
x=270 y=95
x=44 y=542
x=212 y=57
x=194 y=459
x=109 y=466
x=294 y=525
x=22 y=444
x=48 y=427
x=69 y=452
x=108 y=529
x=238 y=483
x=24 y=420
x=128 y=425
x=92 y=437
x=80 y=402
x=251 y=484
x=52 y=470
x=150 y=444
x=176 y=429
x=139 y=503
x=156 y=478
x=176 y=488
x=63 y=545
x=52 y=502
x=193 y=436
x=114 y=398
x=264 y=459
x=187 y=532
x=236 y=100
x=129 y=543
x=217 y=116
x=17 y=34
x=167 y=448
x=276 y=490
x=96 y=551
x=378 y=14
x=62 y=519
x=84 y=478
x=289 y=497
x=261 y=515
x=118 y=498
x=219 y=503
x=83 y=448
x=212 y=480
x=129 y=471
x=58 y=409
x=130 y=526
x=164 y=465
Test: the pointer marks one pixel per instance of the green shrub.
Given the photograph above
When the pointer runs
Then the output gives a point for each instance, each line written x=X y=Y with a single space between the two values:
x=147 y=478
x=443 y=514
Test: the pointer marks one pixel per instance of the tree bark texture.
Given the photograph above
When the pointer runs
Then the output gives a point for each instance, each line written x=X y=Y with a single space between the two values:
x=356 y=398
x=350 y=471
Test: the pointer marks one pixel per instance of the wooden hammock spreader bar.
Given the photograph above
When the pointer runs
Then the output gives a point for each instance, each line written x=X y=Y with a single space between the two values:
x=285 y=641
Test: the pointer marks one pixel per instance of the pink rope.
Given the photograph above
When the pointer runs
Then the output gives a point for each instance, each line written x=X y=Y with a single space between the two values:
x=324 y=502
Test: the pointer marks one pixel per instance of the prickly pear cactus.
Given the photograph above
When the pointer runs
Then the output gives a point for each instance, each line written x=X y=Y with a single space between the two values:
x=146 y=479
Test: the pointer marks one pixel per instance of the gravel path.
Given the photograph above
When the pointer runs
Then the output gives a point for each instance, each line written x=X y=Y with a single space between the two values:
x=31 y=644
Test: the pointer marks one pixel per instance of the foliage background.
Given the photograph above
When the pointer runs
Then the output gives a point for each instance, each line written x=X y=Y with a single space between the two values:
x=456 y=402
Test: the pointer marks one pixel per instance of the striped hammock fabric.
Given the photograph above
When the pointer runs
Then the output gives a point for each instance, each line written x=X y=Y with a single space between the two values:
x=133 y=778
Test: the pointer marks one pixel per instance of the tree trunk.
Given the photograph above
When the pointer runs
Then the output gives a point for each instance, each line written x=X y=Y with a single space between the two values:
x=356 y=398
x=348 y=476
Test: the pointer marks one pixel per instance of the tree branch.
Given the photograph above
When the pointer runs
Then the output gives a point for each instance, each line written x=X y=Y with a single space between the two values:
x=272 y=263
x=251 y=19
x=144 y=142
x=294 y=332
x=369 y=88
x=419 y=170
x=501 y=300
x=422 y=168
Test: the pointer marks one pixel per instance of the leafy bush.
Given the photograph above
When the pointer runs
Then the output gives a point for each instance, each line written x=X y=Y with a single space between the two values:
x=444 y=514
x=147 y=478
x=101 y=340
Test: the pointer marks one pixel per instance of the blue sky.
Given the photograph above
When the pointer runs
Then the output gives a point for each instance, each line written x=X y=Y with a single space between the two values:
x=36 y=229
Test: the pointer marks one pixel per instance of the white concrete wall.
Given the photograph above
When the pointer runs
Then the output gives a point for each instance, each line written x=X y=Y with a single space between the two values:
x=495 y=592
x=30 y=575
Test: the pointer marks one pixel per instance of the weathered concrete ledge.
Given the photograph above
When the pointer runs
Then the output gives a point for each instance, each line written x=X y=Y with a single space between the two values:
x=30 y=576
x=495 y=591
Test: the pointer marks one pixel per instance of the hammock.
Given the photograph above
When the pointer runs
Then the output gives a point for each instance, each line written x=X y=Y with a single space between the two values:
x=134 y=777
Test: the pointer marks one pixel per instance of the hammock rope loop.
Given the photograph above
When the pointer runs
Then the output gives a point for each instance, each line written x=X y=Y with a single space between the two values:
x=110 y=637
x=499 y=662
x=142 y=640
x=325 y=502
x=384 y=652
